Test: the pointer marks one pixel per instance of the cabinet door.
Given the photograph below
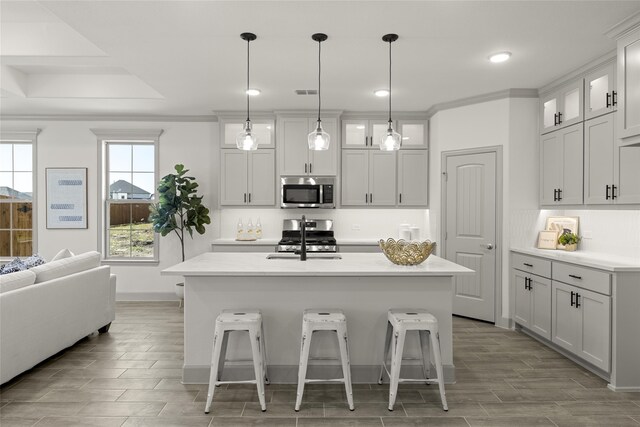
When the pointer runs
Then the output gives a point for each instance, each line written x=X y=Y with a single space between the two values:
x=413 y=175
x=233 y=182
x=293 y=147
x=572 y=147
x=414 y=133
x=548 y=111
x=262 y=178
x=325 y=162
x=627 y=172
x=571 y=103
x=230 y=128
x=355 y=177
x=522 y=307
x=595 y=342
x=599 y=87
x=541 y=306
x=629 y=84
x=377 y=130
x=550 y=168
x=565 y=317
x=598 y=160
x=355 y=133
x=382 y=178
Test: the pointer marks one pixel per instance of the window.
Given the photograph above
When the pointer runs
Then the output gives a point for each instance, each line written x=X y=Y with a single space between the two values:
x=129 y=182
x=17 y=192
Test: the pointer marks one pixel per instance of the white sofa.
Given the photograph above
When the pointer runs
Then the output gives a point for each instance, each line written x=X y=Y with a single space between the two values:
x=50 y=307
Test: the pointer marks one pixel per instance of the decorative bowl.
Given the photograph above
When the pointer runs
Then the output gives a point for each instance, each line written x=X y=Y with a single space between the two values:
x=402 y=252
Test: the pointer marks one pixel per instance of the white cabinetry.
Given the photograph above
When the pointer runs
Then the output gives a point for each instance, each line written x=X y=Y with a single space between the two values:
x=601 y=96
x=414 y=134
x=363 y=133
x=562 y=107
x=413 y=176
x=368 y=178
x=247 y=178
x=532 y=308
x=561 y=166
x=293 y=149
x=230 y=127
x=628 y=123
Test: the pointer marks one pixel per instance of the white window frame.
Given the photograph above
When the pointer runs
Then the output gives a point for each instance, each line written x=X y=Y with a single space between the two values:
x=26 y=136
x=122 y=136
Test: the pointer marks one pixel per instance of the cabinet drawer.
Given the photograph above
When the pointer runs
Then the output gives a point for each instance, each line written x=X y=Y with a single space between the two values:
x=582 y=277
x=531 y=264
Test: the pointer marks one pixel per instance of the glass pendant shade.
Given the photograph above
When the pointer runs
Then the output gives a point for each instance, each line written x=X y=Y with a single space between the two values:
x=391 y=140
x=247 y=140
x=319 y=140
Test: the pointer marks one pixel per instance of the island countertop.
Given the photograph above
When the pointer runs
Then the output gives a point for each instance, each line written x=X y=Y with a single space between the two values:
x=351 y=264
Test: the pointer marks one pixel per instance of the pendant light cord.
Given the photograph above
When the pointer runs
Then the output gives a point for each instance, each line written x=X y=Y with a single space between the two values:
x=319 y=72
x=389 y=82
x=248 y=42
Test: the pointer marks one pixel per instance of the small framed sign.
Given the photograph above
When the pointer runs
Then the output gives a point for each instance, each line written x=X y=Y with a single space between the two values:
x=547 y=239
x=66 y=197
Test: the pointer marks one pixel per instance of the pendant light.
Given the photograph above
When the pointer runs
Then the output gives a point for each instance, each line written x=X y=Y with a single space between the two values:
x=319 y=139
x=391 y=140
x=247 y=140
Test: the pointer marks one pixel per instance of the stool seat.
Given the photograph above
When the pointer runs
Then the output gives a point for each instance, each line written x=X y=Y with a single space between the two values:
x=399 y=321
x=249 y=320
x=324 y=320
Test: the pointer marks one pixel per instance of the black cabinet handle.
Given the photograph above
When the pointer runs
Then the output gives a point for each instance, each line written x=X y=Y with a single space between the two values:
x=614 y=98
x=572 y=295
x=249 y=197
x=305 y=168
x=559 y=194
x=370 y=197
x=559 y=117
x=577 y=300
x=613 y=192
x=606 y=197
x=245 y=197
x=555 y=194
x=400 y=198
x=555 y=119
x=528 y=265
x=608 y=100
x=366 y=198
x=310 y=167
x=575 y=277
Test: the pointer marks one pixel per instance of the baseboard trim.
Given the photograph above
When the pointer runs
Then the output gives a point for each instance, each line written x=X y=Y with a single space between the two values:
x=288 y=374
x=625 y=389
x=146 y=296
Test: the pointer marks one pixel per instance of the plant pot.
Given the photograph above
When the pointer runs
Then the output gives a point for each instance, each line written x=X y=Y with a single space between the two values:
x=571 y=247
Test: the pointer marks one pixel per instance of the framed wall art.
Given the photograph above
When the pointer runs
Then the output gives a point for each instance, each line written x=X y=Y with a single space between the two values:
x=66 y=197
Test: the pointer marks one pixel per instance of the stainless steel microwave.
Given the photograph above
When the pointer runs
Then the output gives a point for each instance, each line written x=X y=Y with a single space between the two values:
x=307 y=192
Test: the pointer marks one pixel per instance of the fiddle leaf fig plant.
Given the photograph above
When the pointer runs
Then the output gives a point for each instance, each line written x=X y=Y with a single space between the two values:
x=179 y=208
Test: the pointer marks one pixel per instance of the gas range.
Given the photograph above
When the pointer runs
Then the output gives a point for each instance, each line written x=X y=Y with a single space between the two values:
x=319 y=238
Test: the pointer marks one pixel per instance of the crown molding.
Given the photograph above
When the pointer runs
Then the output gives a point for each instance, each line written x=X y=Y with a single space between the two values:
x=109 y=118
x=579 y=72
x=127 y=134
x=384 y=115
x=493 y=96
x=628 y=24
x=17 y=132
x=237 y=115
x=307 y=113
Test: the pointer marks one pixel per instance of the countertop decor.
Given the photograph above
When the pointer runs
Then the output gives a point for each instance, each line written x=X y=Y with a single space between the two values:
x=406 y=253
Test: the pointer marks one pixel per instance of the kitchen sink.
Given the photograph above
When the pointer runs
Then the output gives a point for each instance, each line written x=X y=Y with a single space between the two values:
x=314 y=255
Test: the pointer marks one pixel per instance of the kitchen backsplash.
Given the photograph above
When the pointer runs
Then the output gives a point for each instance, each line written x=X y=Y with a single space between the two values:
x=367 y=224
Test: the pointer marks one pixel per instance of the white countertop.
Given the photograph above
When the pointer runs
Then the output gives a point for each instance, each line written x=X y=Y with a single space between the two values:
x=259 y=242
x=351 y=264
x=601 y=261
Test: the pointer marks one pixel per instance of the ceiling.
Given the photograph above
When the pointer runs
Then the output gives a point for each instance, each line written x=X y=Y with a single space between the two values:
x=187 y=58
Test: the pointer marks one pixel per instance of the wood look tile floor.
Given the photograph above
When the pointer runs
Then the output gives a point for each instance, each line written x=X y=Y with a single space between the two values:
x=131 y=377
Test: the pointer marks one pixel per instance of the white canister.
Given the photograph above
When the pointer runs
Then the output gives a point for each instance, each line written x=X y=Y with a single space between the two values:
x=404 y=232
x=415 y=233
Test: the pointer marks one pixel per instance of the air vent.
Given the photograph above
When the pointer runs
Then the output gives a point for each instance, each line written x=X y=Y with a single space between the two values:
x=306 y=92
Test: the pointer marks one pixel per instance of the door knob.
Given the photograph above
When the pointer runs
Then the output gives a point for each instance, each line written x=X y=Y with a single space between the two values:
x=489 y=246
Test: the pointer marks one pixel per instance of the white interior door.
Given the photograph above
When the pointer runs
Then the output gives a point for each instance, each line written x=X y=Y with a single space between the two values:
x=470 y=231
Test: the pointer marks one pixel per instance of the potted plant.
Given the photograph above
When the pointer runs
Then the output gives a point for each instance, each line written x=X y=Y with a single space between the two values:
x=178 y=209
x=569 y=241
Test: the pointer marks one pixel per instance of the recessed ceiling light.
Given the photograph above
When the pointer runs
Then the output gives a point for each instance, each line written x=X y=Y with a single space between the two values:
x=499 y=57
x=381 y=92
x=253 y=92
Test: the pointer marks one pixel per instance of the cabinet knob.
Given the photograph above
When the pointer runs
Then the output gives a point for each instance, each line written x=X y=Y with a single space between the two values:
x=489 y=246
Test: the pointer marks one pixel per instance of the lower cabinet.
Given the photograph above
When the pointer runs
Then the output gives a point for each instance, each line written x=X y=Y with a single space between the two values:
x=582 y=323
x=533 y=302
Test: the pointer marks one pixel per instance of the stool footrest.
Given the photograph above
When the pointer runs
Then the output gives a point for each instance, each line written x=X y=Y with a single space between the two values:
x=318 y=380
x=236 y=382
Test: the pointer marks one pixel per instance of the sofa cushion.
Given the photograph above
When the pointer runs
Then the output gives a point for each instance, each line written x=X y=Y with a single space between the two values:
x=17 y=280
x=13 y=266
x=64 y=253
x=64 y=267
x=33 y=261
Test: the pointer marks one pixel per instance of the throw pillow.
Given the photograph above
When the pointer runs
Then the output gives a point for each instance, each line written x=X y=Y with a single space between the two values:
x=64 y=253
x=33 y=261
x=13 y=266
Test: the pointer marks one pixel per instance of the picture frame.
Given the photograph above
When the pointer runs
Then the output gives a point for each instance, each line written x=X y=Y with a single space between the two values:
x=66 y=198
x=547 y=239
x=563 y=225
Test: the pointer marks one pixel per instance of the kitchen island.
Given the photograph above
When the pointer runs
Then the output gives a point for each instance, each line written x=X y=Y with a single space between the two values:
x=363 y=285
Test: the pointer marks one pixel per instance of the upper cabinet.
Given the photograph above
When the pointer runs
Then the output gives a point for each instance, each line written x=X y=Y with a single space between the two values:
x=230 y=127
x=294 y=155
x=361 y=133
x=561 y=167
x=628 y=121
x=562 y=107
x=413 y=178
x=414 y=134
x=601 y=96
x=247 y=178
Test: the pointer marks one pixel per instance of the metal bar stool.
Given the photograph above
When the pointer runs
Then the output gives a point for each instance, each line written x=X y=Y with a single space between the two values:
x=238 y=320
x=324 y=320
x=399 y=322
